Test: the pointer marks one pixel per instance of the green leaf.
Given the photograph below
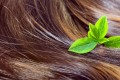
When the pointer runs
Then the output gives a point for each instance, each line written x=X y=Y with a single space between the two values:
x=103 y=40
x=96 y=34
x=93 y=32
x=102 y=27
x=83 y=45
x=114 y=42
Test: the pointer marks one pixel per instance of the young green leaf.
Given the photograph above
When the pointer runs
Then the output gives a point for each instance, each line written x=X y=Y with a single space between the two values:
x=96 y=34
x=103 y=40
x=114 y=42
x=93 y=32
x=83 y=45
x=102 y=27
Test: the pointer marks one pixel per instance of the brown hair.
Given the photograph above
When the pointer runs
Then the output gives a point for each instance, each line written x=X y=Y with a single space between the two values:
x=36 y=34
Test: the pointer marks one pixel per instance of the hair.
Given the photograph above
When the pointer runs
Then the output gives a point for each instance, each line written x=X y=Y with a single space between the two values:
x=35 y=36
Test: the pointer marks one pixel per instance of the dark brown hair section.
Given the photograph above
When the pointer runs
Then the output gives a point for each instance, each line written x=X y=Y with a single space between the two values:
x=36 y=34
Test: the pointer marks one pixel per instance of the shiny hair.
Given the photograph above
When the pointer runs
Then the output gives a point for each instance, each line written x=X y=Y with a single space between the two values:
x=35 y=36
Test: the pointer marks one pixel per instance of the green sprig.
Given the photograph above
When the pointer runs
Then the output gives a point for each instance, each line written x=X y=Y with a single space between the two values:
x=96 y=35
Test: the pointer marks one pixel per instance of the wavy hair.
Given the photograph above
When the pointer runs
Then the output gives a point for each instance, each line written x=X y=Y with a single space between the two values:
x=35 y=36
